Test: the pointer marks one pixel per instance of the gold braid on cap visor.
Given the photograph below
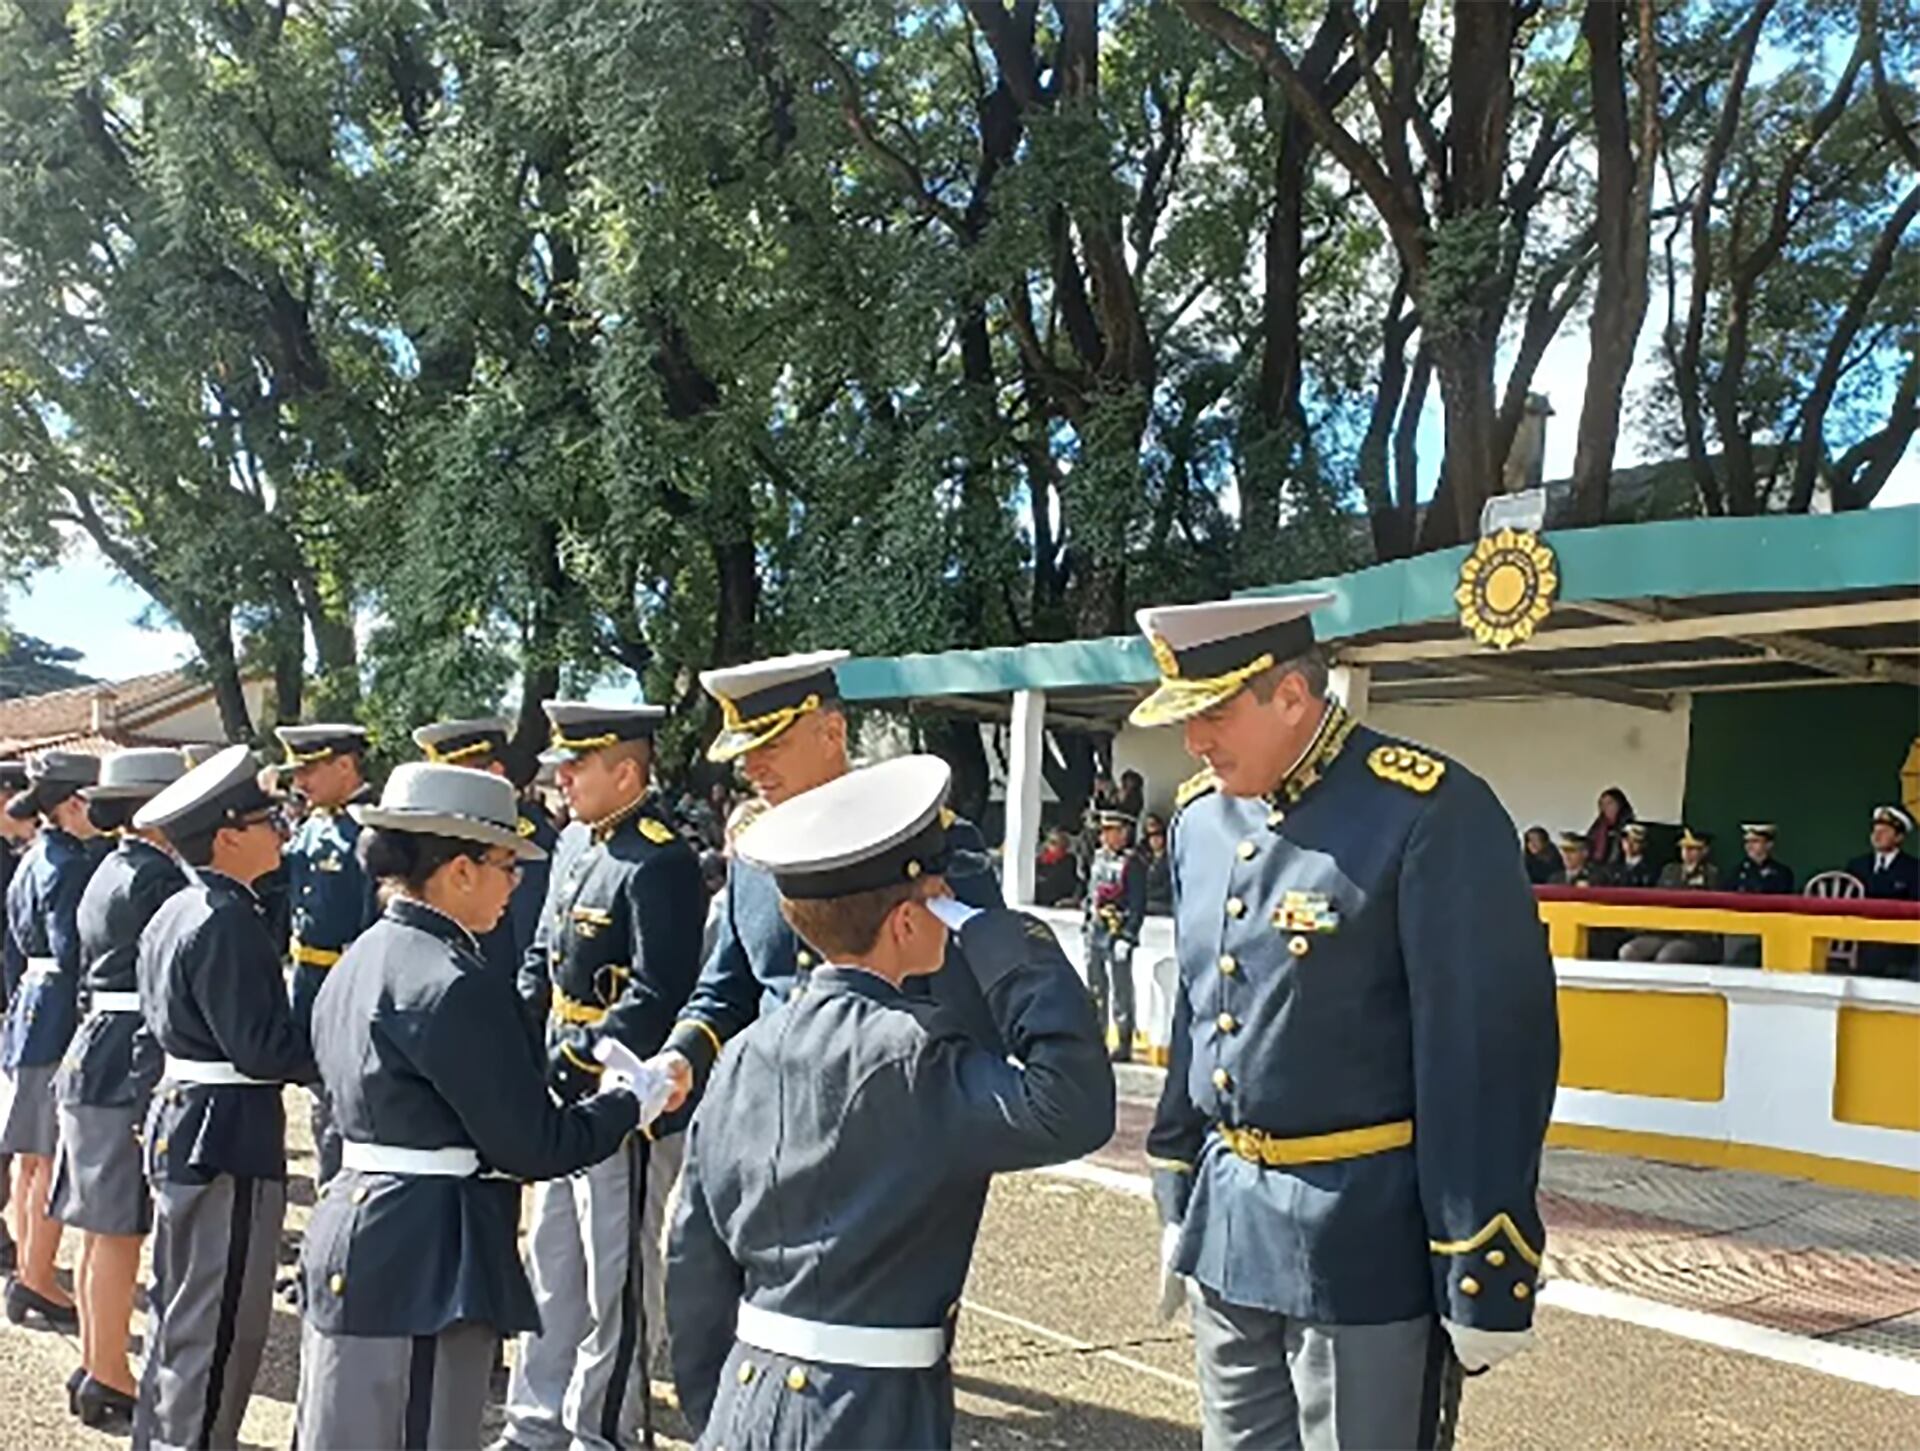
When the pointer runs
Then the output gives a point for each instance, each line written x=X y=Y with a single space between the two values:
x=306 y=758
x=1179 y=698
x=439 y=757
x=564 y=742
x=757 y=732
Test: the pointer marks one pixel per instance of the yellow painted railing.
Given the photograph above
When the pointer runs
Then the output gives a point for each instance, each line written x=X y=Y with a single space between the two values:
x=1789 y=941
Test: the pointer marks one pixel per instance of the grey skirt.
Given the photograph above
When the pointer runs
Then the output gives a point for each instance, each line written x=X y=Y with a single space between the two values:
x=27 y=1122
x=98 y=1185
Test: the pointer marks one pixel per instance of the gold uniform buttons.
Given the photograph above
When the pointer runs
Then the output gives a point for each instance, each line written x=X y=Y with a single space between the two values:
x=1227 y=1022
x=1298 y=945
x=1521 y=1290
x=338 y=1284
x=1496 y=1257
x=1227 y=964
x=747 y=1372
x=797 y=1378
x=1222 y=1079
x=793 y=993
x=1469 y=1286
x=1246 y=849
x=160 y=1144
x=1236 y=907
x=1275 y=817
x=359 y=1195
x=805 y=959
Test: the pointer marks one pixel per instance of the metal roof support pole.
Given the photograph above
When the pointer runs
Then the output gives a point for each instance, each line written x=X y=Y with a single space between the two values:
x=1351 y=685
x=1022 y=839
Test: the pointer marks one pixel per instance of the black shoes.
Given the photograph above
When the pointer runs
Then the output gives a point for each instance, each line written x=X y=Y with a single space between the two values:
x=22 y=1302
x=99 y=1405
x=73 y=1388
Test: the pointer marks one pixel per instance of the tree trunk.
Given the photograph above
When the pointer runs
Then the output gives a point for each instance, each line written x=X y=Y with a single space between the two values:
x=1464 y=363
x=957 y=741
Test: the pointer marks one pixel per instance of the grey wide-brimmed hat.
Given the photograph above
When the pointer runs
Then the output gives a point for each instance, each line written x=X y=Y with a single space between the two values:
x=52 y=777
x=433 y=800
x=136 y=775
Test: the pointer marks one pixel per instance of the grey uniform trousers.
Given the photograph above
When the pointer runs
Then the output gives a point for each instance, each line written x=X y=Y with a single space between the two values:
x=215 y=1249
x=594 y=1262
x=420 y=1392
x=1110 y=981
x=1274 y=1383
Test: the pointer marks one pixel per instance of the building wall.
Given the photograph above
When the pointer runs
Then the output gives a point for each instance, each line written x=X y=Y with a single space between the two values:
x=1815 y=762
x=199 y=723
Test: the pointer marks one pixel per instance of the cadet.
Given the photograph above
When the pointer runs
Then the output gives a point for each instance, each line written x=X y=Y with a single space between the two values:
x=1363 y=1055
x=410 y=1272
x=1760 y=873
x=330 y=898
x=1116 y=906
x=42 y=1012
x=216 y=1137
x=783 y=724
x=861 y=1121
x=107 y=1078
x=616 y=955
x=481 y=745
x=16 y=836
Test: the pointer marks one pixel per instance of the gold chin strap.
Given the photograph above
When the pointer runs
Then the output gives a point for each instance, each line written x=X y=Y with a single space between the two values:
x=762 y=728
x=564 y=742
x=439 y=757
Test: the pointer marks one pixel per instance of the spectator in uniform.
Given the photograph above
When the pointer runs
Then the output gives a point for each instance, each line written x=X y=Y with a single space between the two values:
x=1636 y=868
x=216 y=1136
x=1577 y=868
x=1694 y=872
x=107 y=1079
x=43 y=903
x=330 y=897
x=856 y=1113
x=1613 y=815
x=1116 y=906
x=1760 y=873
x=1159 y=867
x=1543 y=862
x=1891 y=874
x=410 y=1270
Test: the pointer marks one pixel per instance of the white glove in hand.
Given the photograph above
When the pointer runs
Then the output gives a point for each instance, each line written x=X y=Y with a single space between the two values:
x=952 y=911
x=1478 y=1349
x=648 y=1082
x=1173 y=1284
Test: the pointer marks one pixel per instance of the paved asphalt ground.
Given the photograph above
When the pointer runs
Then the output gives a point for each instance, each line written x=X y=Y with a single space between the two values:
x=1058 y=1347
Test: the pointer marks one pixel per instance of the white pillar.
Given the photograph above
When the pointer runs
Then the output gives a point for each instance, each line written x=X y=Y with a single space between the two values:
x=1351 y=683
x=1022 y=838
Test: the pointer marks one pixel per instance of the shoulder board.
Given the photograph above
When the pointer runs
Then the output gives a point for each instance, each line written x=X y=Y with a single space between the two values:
x=1404 y=766
x=655 y=830
x=525 y=826
x=947 y=817
x=1195 y=786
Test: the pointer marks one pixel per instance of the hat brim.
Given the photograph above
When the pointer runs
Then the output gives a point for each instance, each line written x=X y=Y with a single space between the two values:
x=144 y=792
x=1178 y=700
x=732 y=745
x=25 y=805
x=440 y=823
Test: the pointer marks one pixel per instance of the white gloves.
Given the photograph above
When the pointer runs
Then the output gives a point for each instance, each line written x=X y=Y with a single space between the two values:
x=952 y=911
x=1478 y=1349
x=649 y=1083
x=1173 y=1284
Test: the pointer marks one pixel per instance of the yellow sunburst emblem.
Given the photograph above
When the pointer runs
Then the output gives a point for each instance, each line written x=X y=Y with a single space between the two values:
x=1507 y=587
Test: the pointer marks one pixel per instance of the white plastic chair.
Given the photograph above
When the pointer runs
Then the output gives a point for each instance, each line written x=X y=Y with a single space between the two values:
x=1839 y=886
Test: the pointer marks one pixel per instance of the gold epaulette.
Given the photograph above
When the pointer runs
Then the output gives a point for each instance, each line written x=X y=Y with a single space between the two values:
x=655 y=830
x=1195 y=786
x=947 y=818
x=1404 y=766
x=525 y=828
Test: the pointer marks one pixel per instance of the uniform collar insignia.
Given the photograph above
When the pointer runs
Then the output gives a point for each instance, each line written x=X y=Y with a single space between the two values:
x=1328 y=741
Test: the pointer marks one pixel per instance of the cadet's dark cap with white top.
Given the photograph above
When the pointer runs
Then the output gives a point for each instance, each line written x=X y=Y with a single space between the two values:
x=430 y=799
x=760 y=700
x=1207 y=652
x=53 y=777
x=579 y=729
x=464 y=742
x=307 y=745
x=137 y=775
x=880 y=826
x=216 y=793
x=1893 y=816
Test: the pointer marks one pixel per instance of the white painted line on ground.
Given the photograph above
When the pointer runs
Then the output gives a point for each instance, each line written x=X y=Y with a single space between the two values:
x=1845 y=1362
x=1072 y=1342
x=1864 y=1367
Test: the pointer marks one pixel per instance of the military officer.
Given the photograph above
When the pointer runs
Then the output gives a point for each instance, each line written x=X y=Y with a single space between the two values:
x=615 y=956
x=396 y=1344
x=216 y=1137
x=1889 y=873
x=1116 y=908
x=330 y=897
x=42 y=1013
x=107 y=1078
x=1694 y=872
x=1363 y=1056
x=1577 y=867
x=1760 y=873
x=481 y=745
x=1636 y=868
x=861 y=1120
x=783 y=723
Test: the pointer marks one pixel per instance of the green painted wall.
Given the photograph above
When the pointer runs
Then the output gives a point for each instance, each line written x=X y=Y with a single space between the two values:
x=1815 y=762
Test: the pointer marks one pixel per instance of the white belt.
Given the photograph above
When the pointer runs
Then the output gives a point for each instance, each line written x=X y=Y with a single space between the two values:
x=872 y=1347
x=41 y=967
x=423 y=1163
x=113 y=1003
x=201 y=1070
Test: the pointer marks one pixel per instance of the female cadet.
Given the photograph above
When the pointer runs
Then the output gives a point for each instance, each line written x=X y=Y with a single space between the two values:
x=109 y=1073
x=410 y=1272
x=861 y=1114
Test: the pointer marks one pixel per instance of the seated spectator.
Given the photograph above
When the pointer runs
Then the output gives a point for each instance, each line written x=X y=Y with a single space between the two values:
x=1132 y=799
x=1604 y=837
x=1543 y=862
x=1890 y=874
x=1692 y=873
x=1576 y=869
x=1056 y=882
x=1153 y=852
x=1761 y=874
x=1636 y=868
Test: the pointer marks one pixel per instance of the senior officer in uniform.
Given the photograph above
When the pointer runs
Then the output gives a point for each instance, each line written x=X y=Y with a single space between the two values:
x=783 y=723
x=330 y=897
x=481 y=745
x=42 y=1012
x=1364 y=1048
x=839 y=1162
x=410 y=1272
x=216 y=1141
x=107 y=1078
x=616 y=954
